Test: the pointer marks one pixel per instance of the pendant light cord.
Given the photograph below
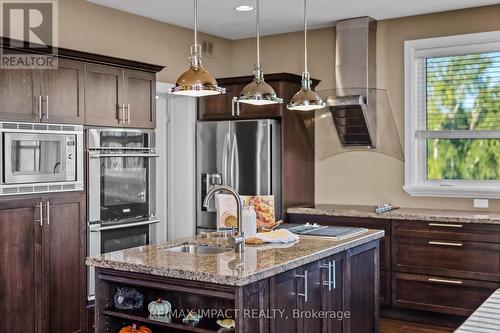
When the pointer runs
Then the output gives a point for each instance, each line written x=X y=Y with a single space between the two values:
x=195 y=22
x=305 y=35
x=258 y=32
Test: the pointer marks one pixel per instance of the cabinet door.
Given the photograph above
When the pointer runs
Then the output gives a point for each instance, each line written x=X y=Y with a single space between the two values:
x=20 y=242
x=64 y=266
x=63 y=92
x=334 y=292
x=104 y=105
x=219 y=107
x=140 y=92
x=19 y=95
x=311 y=293
x=284 y=296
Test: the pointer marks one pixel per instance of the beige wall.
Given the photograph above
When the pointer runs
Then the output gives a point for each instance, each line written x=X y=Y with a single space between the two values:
x=91 y=28
x=368 y=178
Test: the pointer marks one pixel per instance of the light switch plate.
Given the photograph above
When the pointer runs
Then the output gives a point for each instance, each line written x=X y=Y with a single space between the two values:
x=481 y=203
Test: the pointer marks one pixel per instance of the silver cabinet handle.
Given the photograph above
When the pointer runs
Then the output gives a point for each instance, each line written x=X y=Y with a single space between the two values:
x=334 y=274
x=305 y=294
x=458 y=244
x=445 y=281
x=445 y=225
x=122 y=226
x=40 y=211
x=128 y=113
x=122 y=155
x=40 y=107
x=329 y=282
x=233 y=105
x=47 y=212
x=47 y=107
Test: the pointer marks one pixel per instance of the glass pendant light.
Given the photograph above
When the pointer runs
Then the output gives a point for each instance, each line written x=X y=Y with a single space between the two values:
x=258 y=92
x=196 y=81
x=305 y=99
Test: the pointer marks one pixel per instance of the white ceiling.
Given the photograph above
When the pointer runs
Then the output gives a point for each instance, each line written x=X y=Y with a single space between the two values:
x=217 y=17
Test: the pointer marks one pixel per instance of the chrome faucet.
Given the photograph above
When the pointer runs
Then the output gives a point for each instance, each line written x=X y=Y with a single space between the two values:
x=237 y=239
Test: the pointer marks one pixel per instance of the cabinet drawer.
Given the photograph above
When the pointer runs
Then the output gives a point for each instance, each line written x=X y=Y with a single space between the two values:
x=468 y=260
x=439 y=294
x=487 y=233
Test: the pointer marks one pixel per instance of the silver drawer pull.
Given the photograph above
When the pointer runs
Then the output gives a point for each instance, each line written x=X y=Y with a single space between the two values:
x=446 y=281
x=445 y=225
x=305 y=294
x=445 y=244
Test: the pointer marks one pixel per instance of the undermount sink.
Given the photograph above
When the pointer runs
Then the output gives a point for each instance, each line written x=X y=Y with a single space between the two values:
x=198 y=249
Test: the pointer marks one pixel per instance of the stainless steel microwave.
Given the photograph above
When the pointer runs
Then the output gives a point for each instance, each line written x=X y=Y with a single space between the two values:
x=38 y=158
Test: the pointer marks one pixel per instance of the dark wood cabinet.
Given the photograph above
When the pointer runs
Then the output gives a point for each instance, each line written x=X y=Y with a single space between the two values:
x=62 y=92
x=140 y=97
x=119 y=97
x=104 y=103
x=331 y=295
x=64 y=254
x=385 y=242
x=20 y=262
x=42 y=251
x=20 y=97
x=440 y=294
x=43 y=95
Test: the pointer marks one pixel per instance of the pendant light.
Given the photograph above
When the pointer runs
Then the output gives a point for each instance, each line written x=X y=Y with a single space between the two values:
x=258 y=92
x=196 y=81
x=305 y=99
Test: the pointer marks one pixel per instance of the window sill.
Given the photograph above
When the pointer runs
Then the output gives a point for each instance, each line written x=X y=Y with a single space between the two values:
x=452 y=191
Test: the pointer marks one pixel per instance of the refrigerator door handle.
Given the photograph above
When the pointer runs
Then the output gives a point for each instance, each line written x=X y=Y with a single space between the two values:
x=231 y=167
x=235 y=164
x=225 y=157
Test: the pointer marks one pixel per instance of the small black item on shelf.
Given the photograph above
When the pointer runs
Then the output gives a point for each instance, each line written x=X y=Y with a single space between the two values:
x=128 y=299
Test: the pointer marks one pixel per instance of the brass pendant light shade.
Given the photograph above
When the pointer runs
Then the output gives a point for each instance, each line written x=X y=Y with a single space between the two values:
x=258 y=92
x=196 y=81
x=306 y=99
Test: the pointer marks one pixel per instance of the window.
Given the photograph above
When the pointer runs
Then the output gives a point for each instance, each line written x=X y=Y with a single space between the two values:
x=452 y=116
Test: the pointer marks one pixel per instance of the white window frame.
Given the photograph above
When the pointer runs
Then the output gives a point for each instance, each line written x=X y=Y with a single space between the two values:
x=416 y=182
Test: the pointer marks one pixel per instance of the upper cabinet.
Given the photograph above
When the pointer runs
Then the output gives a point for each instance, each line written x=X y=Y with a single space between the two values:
x=220 y=107
x=119 y=97
x=43 y=95
x=84 y=89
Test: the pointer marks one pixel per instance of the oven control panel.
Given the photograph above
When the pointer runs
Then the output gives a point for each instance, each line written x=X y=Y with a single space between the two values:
x=70 y=157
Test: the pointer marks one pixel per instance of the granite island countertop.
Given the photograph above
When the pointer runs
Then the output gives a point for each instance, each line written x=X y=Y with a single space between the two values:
x=413 y=214
x=229 y=268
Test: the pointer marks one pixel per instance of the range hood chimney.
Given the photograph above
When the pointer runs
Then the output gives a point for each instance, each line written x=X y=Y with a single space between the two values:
x=354 y=108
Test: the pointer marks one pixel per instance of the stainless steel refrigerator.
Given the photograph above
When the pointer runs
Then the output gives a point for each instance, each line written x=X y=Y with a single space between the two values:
x=244 y=154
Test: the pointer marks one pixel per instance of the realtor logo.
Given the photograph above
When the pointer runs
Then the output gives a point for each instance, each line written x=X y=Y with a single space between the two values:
x=30 y=26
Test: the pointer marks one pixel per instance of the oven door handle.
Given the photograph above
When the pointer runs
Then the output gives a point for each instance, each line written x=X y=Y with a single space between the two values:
x=125 y=225
x=122 y=155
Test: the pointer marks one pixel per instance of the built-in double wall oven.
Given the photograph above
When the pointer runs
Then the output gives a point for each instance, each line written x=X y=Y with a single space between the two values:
x=121 y=191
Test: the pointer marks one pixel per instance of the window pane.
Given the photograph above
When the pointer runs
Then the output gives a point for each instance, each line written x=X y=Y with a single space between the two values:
x=466 y=159
x=463 y=92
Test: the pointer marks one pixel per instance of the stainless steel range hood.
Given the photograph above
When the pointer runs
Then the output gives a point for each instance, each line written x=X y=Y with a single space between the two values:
x=353 y=108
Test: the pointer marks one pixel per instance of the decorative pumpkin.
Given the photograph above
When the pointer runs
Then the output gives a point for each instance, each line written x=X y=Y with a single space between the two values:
x=226 y=323
x=134 y=328
x=159 y=308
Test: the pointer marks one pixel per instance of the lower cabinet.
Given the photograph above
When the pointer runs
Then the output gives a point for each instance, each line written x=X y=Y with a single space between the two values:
x=42 y=285
x=337 y=294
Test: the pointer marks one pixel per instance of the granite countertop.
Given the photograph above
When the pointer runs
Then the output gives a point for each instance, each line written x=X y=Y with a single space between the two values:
x=485 y=319
x=229 y=268
x=428 y=215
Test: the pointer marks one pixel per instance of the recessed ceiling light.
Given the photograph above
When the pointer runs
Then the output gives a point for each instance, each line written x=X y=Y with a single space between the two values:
x=243 y=8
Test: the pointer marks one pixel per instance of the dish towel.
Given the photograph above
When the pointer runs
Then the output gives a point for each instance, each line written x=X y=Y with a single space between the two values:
x=278 y=236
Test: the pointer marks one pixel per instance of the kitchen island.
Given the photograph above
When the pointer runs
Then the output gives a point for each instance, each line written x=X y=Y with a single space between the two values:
x=316 y=284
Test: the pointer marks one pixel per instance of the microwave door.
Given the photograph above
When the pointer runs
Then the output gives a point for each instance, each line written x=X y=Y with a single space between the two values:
x=34 y=158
